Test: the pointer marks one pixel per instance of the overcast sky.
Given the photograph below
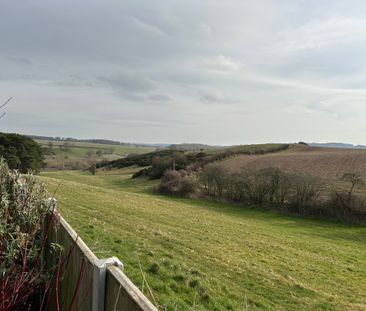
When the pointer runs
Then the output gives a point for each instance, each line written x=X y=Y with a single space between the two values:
x=217 y=72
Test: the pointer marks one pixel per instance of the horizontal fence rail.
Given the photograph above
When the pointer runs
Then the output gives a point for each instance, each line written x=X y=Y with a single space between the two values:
x=84 y=282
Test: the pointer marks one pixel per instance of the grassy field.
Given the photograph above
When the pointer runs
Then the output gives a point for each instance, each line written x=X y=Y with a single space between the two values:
x=80 y=155
x=199 y=255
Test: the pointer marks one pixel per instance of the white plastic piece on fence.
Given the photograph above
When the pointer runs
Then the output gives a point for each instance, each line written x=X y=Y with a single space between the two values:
x=99 y=281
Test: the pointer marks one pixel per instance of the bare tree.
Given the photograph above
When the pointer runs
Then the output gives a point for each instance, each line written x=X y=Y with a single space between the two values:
x=213 y=178
x=306 y=190
x=355 y=179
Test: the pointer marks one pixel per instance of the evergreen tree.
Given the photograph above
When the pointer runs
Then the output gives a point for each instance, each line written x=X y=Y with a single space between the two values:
x=21 y=152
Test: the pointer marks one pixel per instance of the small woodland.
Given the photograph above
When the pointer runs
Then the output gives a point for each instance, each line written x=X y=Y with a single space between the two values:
x=21 y=152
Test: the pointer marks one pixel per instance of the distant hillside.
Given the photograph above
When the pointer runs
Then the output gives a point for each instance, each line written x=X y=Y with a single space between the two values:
x=74 y=154
x=194 y=147
x=157 y=162
x=141 y=160
x=337 y=145
x=94 y=141
x=327 y=163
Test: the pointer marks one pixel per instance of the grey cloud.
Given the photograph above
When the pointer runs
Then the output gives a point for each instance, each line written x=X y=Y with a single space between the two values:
x=215 y=69
x=151 y=29
x=221 y=63
x=128 y=83
x=322 y=33
x=160 y=98
x=215 y=97
x=20 y=60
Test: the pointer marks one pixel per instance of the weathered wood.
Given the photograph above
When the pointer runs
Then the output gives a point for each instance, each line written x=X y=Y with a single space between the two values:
x=76 y=277
x=122 y=294
x=77 y=266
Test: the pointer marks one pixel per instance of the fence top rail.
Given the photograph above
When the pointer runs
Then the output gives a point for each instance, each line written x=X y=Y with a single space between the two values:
x=123 y=281
x=131 y=289
x=79 y=242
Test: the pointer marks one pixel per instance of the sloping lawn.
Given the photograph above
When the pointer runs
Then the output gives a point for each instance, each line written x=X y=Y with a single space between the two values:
x=198 y=255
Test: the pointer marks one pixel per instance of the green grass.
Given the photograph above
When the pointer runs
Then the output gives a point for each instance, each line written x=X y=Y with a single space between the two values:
x=80 y=148
x=199 y=255
x=81 y=155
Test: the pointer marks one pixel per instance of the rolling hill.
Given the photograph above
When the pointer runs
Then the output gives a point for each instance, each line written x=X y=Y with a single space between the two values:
x=203 y=255
x=327 y=163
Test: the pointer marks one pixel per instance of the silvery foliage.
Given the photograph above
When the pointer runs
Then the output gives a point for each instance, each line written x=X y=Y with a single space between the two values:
x=24 y=204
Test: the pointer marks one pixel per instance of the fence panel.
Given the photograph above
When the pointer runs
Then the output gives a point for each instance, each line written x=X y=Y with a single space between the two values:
x=76 y=282
x=122 y=294
x=75 y=278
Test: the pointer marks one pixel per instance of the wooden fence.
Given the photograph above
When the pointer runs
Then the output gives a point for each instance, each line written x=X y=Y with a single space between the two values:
x=84 y=282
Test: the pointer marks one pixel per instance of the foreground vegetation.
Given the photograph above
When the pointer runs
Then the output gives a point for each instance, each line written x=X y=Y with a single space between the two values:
x=24 y=204
x=211 y=256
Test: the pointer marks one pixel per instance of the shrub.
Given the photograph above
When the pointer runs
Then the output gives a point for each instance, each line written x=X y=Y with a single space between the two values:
x=140 y=173
x=343 y=206
x=23 y=208
x=170 y=183
x=93 y=169
x=178 y=183
x=189 y=186
x=306 y=191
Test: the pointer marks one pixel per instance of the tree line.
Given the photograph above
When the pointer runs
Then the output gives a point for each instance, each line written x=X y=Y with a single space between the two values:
x=270 y=188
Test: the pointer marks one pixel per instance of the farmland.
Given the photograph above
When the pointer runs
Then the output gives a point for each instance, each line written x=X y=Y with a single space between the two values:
x=324 y=162
x=203 y=255
x=329 y=164
x=80 y=155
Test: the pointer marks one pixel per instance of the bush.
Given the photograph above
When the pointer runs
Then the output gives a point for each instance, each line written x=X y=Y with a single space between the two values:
x=170 y=183
x=189 y=186
x=140 y=173
x=175 y=161
x=178 y=183
x=306 y=191
x=23 y=208
x=344 y=206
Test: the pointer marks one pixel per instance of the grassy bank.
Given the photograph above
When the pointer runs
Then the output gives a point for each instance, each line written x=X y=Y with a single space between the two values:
x=208 y=256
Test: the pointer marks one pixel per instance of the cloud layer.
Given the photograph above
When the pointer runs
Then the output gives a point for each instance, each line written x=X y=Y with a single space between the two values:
x=219 y=72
